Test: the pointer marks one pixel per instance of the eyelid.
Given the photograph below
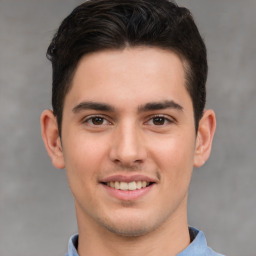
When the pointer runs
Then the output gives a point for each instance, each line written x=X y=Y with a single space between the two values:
x=90 y=117
x=168 y=118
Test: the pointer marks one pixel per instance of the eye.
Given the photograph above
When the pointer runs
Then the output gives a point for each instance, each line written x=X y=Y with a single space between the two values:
x=159 y=120
x=96 y=121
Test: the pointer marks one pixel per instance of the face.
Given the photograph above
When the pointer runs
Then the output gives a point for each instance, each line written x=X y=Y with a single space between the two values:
x=128 y=140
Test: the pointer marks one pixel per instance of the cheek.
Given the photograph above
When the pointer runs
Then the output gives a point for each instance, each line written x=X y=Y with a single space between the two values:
x=83 y=158
x=174 y=155
x=84 y=150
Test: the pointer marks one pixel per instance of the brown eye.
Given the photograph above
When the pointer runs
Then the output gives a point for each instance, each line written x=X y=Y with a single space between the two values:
x=159 y=120
x=97 y=120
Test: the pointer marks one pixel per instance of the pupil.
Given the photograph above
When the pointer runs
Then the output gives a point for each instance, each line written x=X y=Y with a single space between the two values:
x=97 y=120
x=158 y=120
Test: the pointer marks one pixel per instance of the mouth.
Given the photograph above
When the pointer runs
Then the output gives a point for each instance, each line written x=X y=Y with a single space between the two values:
x=128 y=186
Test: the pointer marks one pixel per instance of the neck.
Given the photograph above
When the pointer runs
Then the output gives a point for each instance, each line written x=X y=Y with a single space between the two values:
x=169 y=239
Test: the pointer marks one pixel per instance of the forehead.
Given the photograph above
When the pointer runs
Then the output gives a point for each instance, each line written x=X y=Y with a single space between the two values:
x=135 y=74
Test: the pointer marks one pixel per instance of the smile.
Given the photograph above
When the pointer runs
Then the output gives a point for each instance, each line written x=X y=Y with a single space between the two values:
x=129 y=187
x=121 y=185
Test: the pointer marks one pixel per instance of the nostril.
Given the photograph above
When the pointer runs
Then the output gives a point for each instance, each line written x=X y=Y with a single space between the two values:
x=117 y=161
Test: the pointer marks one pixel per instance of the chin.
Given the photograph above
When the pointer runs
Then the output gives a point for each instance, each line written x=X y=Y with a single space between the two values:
x=128 y=231
x=132 y=226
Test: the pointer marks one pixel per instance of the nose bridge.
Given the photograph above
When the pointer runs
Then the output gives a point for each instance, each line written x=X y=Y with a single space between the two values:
x=128 y=144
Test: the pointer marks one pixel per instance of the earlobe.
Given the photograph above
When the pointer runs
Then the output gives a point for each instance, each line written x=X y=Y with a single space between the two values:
x=52 y=142
x=206 y=130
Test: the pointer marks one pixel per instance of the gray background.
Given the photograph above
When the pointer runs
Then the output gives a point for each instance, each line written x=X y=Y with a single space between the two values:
x=36 y=208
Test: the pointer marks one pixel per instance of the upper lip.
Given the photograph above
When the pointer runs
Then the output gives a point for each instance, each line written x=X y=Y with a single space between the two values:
x=128 y=178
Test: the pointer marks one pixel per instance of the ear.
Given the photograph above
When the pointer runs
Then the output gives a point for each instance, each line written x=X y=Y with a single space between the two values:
x=205 y=133
x=52 y=142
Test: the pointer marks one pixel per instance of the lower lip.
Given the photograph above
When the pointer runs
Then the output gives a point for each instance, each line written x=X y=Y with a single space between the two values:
x=128 y=195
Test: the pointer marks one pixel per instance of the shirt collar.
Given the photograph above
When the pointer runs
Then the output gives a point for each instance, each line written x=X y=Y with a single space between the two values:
x=72 y=246
x=197 y=247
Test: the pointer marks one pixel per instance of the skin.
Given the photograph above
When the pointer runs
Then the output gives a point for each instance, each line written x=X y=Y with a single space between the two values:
x=113 y=126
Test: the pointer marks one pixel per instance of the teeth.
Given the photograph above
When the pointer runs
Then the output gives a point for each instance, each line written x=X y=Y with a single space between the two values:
x=132 y=185
x=128 y=185
x=124 y=186
x=139 y=184
x=117 y=185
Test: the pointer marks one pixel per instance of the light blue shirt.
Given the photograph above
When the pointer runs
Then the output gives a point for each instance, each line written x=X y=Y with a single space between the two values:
x=198 y=246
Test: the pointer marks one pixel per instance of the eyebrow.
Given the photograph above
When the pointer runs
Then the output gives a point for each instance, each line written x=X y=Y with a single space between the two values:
x=93 y=106
x=151 y=106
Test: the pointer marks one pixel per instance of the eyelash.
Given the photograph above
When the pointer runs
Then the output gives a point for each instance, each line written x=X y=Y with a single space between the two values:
x=89 y=120
x=167 y=120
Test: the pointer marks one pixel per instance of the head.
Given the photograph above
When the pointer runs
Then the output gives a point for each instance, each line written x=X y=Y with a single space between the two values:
x=128 y=95
x=113 y=24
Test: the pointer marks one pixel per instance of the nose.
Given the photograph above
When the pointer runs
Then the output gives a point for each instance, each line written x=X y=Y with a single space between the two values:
x=127 y=147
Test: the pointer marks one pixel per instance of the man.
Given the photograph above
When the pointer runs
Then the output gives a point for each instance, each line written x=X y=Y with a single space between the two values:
x=128 y=125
